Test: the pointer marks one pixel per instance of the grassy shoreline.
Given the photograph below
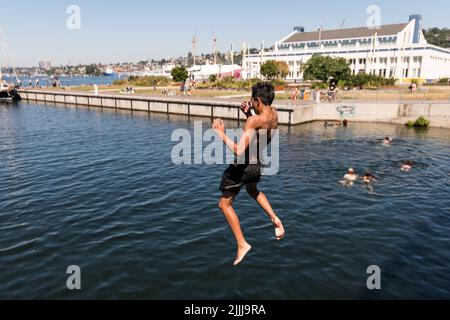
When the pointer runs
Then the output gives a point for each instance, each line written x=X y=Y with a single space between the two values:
x=388 y=94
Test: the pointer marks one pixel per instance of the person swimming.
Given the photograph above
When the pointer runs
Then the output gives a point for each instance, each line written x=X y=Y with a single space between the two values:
x=328 y=124
x=351 y=176
x=369 y=178
x=407 y=165
x=387 y=141
x=345 y=123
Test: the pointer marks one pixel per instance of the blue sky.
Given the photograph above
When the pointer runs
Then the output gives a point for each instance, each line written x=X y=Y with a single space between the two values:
x=133 y=30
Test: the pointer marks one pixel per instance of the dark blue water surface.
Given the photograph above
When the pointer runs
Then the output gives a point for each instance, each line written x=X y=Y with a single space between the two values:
x=98 y=189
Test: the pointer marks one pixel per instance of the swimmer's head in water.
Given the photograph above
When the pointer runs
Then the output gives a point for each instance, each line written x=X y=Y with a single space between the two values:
x=345 y=123
x=351 y=171
x=369 y=176
x=407 y=163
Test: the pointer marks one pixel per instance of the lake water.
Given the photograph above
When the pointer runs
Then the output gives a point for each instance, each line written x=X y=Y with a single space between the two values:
x=97 y=189
x=65 y=80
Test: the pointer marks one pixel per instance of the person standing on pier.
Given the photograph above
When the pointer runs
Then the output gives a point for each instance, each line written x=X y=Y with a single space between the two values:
x=262 y=118
x=294 y=95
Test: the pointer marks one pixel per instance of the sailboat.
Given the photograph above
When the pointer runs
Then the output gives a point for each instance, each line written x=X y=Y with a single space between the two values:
x=8 y=92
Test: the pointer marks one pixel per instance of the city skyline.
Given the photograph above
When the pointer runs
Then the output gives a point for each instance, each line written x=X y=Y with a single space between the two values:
x=111 y=33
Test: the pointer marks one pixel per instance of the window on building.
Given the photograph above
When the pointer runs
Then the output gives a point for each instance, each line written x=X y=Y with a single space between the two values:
x=391 y=73
x=405 y=73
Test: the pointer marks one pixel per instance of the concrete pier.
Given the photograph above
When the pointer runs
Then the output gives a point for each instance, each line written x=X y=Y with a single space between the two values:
x=378 y=111
x=188 y=107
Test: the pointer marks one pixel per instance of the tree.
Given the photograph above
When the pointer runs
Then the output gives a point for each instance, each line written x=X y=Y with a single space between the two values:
x=283 y=69
x=324 y=67
x=179 y=74
x=93 y=70
x=269 y=69
x=438 y=37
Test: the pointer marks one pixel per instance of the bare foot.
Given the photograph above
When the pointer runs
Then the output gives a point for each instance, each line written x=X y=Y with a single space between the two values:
x=279 y=230
x=242 y=251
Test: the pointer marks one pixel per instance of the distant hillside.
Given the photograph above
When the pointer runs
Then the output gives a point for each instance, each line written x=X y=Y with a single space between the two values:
x=438 y=37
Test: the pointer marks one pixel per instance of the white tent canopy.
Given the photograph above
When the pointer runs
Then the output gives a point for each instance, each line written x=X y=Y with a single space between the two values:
x=205 y=71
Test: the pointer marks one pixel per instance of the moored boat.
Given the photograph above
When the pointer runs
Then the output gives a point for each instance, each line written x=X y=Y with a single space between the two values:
x=9 y=95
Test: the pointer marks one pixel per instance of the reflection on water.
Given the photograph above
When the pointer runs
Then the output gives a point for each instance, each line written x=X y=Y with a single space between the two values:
x=96 y=188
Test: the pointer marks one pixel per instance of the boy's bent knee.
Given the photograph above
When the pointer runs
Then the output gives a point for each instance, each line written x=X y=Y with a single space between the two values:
x=225 y=203
x=253 y=191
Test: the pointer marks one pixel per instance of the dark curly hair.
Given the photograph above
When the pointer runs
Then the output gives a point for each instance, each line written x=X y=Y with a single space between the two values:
x=265 y=91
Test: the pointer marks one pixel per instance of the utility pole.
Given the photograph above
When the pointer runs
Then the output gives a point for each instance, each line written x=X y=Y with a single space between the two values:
x=244 y=62
x=248 y=54
x=215 y=48
x=232 y=55
x=194 y=47
x=262 y=59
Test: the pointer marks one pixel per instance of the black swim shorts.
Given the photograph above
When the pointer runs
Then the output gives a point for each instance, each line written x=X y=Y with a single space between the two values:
x=237 y=176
